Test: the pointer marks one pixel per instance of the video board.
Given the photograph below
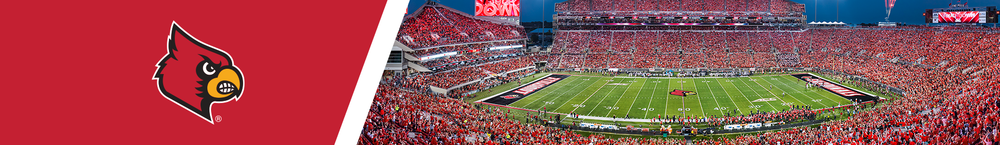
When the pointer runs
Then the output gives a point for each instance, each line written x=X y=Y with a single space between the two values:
x=506 y=8
x=959 y=17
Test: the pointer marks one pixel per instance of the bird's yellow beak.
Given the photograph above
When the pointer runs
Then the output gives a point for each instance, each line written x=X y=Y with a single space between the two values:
x=224 y=85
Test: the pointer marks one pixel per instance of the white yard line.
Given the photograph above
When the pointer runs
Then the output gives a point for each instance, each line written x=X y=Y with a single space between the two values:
x=606 y=97
x=748 y=99
x=651 y=99
x=547 y=94
x=667 y=102
x=588 y=97
x=776 y=95
x=731 y=97
x=710 y=91
x=701 y=105
x=578 y=94
x=563 y=93
x=758 y=94
x=800 y=92
x=633 y=100
x=683 y=104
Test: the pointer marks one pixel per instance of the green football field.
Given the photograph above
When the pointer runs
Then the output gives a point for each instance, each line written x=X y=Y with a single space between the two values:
x=650 y=97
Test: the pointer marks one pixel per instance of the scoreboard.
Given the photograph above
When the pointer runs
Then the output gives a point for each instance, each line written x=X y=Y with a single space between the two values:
x=506 y=8
x=959 y=17
x=962 y=15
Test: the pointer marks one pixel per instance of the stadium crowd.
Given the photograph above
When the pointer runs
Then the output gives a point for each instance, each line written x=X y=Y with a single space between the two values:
x=466 y=59
x=467 y=72
x=949 y=76
x=750 y=49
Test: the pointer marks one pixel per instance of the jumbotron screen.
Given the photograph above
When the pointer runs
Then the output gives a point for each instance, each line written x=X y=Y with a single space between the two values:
x=960 y=17
x=507 y=8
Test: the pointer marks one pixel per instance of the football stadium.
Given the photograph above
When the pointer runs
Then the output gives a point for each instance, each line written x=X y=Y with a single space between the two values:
x=703 y=72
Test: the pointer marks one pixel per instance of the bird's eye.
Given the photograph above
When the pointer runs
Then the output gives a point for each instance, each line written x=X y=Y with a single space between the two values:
x=208 y=69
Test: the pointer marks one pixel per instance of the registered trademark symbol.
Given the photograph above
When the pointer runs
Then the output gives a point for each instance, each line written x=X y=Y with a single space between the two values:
x=218 y=118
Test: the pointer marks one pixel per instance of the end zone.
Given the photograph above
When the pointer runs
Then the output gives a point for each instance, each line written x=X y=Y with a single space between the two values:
x=836 y=88
x=513 y=95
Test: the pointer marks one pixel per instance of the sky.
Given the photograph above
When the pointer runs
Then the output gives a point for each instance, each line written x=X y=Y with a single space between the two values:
x=850 y=11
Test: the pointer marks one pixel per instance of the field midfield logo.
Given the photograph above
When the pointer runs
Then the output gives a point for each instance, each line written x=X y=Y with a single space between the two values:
x=195 y=75
x=682 y=92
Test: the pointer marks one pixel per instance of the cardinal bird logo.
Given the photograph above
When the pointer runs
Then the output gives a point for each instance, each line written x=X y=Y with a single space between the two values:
x=196 y=75
x=681 y=92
